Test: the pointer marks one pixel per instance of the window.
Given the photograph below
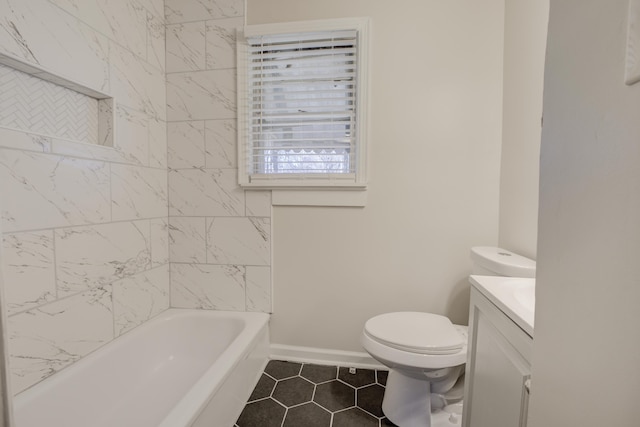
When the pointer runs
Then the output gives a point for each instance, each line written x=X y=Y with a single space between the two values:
x=302 y=104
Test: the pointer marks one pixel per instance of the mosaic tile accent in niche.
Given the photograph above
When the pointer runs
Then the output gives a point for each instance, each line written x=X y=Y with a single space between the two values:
x=31 y=104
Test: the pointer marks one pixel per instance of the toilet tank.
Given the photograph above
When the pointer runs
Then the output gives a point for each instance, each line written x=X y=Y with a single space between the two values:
x=491 y=261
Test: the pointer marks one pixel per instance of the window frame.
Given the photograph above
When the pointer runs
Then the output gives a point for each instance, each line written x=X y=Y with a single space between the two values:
x=317 y=181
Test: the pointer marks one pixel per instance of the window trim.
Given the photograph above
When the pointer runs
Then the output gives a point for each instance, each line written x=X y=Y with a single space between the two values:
x=357 y=181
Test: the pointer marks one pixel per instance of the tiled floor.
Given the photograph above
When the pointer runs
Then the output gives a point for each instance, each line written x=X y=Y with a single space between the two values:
x=305 y=395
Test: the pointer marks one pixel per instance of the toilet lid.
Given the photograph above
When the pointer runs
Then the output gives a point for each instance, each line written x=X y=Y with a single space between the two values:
x=424 y=333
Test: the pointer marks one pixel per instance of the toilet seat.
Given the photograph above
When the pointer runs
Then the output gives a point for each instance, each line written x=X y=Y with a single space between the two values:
x=412 y=357
x=415 y=332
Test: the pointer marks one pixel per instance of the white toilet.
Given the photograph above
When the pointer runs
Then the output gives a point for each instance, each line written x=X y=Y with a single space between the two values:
x=426 y=353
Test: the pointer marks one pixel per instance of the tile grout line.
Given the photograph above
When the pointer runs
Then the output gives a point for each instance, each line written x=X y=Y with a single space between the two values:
x=355 y=413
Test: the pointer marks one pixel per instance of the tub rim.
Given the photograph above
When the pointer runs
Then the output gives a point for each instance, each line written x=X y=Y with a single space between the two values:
x=187 y=409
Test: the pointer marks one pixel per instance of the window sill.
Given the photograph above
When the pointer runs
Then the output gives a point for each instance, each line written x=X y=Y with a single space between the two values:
x=310 y=190
x=339 y=193
x=338 y=197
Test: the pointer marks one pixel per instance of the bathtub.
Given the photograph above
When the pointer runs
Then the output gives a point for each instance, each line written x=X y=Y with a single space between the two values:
x=183 y=368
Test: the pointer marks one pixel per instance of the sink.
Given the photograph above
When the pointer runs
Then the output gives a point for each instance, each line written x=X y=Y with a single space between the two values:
x=516 y=297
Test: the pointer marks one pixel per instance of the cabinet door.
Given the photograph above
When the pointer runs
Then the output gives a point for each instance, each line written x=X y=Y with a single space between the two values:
x=499 y=396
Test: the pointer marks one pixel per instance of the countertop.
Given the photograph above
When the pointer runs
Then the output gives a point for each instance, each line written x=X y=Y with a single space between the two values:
x=513 y=296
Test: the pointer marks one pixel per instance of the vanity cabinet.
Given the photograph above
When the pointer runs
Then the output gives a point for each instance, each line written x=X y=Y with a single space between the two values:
x=498 y=368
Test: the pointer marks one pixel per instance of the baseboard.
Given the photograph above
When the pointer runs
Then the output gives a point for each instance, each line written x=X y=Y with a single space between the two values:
x=323 y=356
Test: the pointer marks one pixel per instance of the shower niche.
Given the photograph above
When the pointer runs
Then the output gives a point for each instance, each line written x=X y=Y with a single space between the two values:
x=38 y=101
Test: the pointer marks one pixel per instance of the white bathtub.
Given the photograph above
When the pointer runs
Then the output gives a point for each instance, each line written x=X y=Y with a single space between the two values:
x=183 y=368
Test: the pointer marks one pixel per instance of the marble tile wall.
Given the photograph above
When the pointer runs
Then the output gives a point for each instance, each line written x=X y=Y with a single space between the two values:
x=220 y=235
x=85 y=228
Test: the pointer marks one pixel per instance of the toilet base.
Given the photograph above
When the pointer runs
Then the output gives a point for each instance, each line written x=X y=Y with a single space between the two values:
x=407 y=403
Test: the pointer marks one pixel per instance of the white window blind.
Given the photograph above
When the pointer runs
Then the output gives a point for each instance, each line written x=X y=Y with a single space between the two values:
x=302 y=108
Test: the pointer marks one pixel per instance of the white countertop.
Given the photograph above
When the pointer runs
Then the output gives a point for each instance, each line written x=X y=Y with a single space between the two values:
x=513 y=296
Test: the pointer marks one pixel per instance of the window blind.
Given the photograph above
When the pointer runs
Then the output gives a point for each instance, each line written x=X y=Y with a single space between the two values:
x=302 y=103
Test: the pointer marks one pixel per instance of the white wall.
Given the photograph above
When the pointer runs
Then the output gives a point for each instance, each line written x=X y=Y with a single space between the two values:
x=525 y=39
x=587 y=345
x=435 y=159
x=85 y=242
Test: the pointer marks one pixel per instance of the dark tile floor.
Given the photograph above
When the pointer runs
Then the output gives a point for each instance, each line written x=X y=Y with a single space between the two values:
x=305 y=395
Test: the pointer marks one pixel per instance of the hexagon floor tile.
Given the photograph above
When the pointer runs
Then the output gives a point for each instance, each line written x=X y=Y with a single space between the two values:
x=306 y=395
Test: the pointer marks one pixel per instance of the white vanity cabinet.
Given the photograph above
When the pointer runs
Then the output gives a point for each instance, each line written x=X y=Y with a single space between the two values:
x=498 y=367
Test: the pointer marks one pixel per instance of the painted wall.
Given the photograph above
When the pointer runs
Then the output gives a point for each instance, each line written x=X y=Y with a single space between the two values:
x=525 y=39
x=587 y=347
x=220 y=235
x=85 y=240
x=435 y=160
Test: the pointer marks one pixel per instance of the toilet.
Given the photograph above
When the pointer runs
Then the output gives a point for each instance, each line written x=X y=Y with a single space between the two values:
x=426 y=352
